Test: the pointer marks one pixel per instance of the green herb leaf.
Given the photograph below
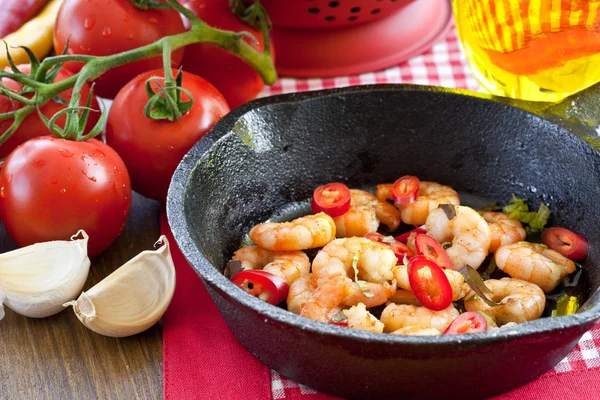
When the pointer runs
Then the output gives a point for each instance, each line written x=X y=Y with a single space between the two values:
x=519 y=210
x=474 y=280
x=339 y=317
x=449 y=210
x=446 y=245
x=490 y=269
x=566 y=305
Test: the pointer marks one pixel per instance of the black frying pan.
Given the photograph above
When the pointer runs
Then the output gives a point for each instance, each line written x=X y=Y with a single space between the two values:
x=270 y=155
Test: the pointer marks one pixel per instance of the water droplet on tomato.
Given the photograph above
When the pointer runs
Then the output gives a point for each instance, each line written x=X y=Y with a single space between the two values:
x=39 y=163
x=89 y=22
x=2 y=192
x=106 y=32
x=66 y=153
x=129 y=36
x=63 y=191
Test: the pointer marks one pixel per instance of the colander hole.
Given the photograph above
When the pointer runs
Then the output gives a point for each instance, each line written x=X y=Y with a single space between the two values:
x=355 y=9
x=313 y=10
x=334 y=4
x=375 y=11
x=330 y=18
x=352 y=18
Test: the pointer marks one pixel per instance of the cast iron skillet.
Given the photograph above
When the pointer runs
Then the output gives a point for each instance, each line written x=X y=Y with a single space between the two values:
x=275 y=151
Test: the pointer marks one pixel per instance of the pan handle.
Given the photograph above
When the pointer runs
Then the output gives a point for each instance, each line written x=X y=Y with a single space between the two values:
x=579 y=113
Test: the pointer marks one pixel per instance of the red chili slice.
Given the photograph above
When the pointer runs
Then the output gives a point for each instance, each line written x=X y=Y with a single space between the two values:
x=429 y=283
x=261 y=284
x=467 y=322
x=343 y=323
x=566 y=242
x=399 y=249
x=404 y=237
x=429 y=247
x=333 y=199
x=406 y=189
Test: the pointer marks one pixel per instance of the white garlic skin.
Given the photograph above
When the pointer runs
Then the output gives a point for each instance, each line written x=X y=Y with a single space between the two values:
x=36 y=280
x=131 y=299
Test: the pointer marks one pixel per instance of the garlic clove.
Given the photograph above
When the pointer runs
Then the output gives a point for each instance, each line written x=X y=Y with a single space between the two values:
x=132 y=298
x=36 y=280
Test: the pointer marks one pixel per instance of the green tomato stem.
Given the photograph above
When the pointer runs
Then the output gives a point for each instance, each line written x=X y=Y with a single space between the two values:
x=261 y=62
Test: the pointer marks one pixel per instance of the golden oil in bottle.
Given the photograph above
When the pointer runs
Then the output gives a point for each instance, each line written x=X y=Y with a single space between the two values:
x=538 y=50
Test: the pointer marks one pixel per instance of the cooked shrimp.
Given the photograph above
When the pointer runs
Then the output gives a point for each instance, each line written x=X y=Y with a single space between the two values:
x=534 y=263
x=431 y=195
x=300 y=292
x=504 y=230
x=520 y=301
x=381 y=294
x=300 y=234
x=360 y=318
x=375 y=260
x=404 y=297
x=455 y=278
x=417 y=331
x=386 y=213
x=468 y=231
x=396 y=316
x=326 y=297
x=357 y=221
x=288 y=265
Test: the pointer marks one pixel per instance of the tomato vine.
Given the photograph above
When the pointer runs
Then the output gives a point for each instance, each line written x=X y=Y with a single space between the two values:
x=42 y=90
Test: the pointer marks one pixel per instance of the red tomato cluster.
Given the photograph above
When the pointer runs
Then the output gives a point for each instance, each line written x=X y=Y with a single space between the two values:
x=50 y=187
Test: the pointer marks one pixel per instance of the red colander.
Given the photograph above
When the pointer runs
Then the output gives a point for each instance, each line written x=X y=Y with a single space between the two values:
x=328 y=13
x=324 y=38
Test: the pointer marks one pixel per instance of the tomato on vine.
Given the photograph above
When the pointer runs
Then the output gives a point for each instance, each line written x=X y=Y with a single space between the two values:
x=238 y=82
x=105 y=27
x=152 y=148
x=50 y=188
x=32 y=125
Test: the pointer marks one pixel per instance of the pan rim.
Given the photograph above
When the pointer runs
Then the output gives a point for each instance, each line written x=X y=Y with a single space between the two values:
x=179 y=226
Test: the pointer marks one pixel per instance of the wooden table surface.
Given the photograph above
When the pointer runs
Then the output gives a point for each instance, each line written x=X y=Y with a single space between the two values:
x=59 y=358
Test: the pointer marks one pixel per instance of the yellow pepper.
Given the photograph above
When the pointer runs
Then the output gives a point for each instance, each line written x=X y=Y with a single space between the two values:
x=37 y=34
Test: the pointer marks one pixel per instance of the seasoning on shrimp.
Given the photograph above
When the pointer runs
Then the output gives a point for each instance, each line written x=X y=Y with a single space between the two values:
x=534 y=263
x=504 y=230
x=302 y=233
x=519 y=301
x=468 y=231
x=374 y=264
x=300 y=292
x=324 y=300
x=396 y=316
x=289 y=266
x=360 y=318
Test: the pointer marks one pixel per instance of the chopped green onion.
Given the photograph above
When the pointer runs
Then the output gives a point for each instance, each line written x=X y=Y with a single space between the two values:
x=363 y=285
x=488 y=319
x=446 y=245
x=566 y=305
x=388 y=239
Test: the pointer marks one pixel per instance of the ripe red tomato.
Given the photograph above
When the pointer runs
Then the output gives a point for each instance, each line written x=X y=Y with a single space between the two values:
x=50 y=188
x=152 y=149
x=238 y=82
x=33 y=126
x=104 y=27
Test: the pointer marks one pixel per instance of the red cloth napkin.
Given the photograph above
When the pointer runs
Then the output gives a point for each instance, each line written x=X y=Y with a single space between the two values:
x=201 y=357
x=203 y=360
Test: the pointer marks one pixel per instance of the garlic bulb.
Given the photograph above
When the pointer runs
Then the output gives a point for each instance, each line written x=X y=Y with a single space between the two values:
x=131 y=299
x=36 y=280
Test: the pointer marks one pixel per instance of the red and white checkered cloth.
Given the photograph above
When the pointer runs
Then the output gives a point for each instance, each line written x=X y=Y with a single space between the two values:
x=442 y=65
